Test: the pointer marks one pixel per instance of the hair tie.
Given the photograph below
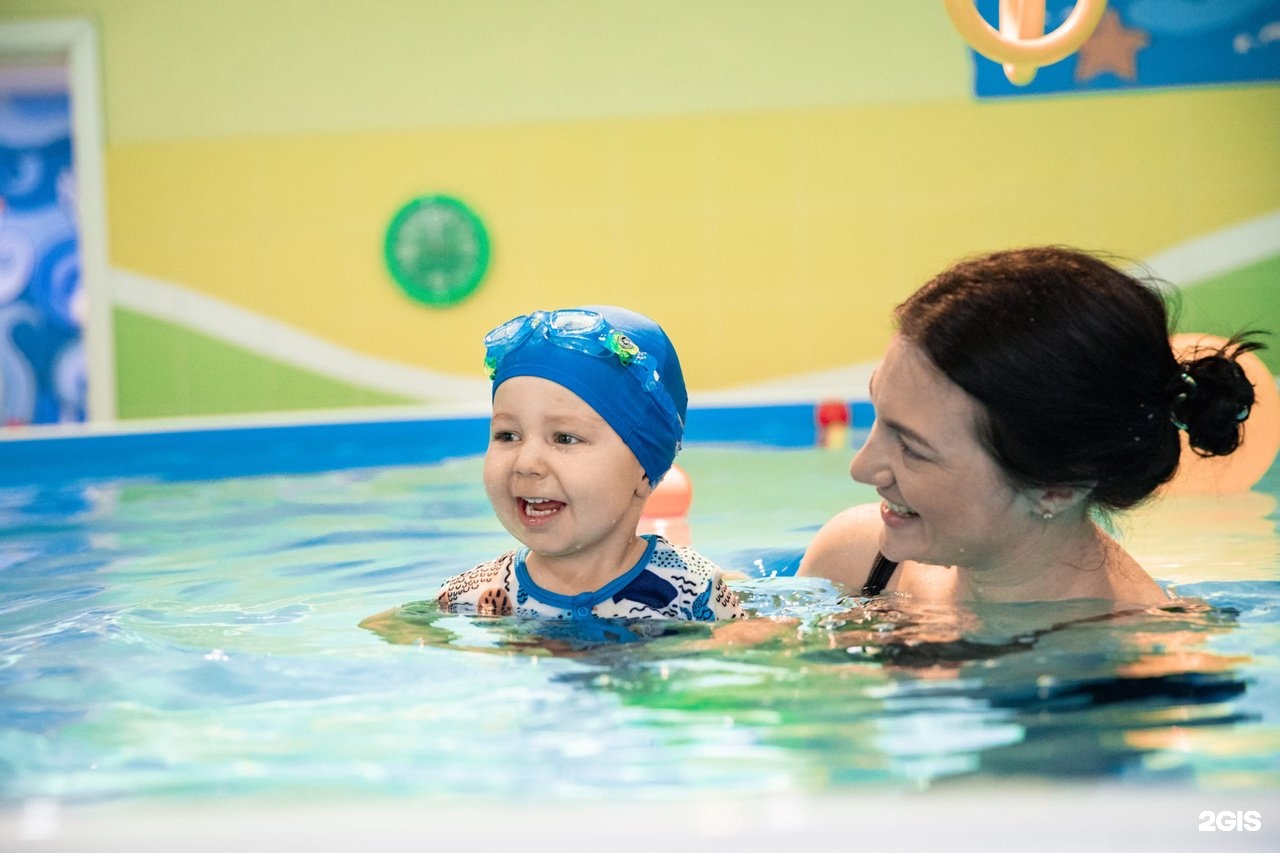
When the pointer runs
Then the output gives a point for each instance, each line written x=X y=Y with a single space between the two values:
x=1190 y=385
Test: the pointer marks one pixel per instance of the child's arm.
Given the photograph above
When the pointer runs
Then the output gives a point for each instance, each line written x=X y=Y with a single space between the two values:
x=724 y=601
x=484 y=590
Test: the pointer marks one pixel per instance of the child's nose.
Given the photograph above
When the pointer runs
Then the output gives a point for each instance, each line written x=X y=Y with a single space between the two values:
x=529 y=461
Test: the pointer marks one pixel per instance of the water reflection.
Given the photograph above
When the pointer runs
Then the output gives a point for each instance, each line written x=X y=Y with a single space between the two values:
x=166 y=636
x=903 y=693
x=1196 y=538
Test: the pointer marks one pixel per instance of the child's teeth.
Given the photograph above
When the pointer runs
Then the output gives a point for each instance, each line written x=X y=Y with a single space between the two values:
x=531 y=506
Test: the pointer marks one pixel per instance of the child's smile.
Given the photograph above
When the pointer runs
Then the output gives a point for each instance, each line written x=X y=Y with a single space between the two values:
x=539 y=510
x=561 y=480
x=588 y=410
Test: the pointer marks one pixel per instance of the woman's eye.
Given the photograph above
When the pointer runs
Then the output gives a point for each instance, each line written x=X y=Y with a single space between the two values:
x=908 y=452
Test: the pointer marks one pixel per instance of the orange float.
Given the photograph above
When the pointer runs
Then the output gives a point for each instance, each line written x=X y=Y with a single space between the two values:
x=666 y=512
x=1199 y=475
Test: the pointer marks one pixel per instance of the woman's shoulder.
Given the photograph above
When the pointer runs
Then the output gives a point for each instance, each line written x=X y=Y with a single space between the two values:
x=844 y=549
x=1131 y=585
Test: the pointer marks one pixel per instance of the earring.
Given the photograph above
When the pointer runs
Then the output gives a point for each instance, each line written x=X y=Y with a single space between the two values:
x=1047 y=515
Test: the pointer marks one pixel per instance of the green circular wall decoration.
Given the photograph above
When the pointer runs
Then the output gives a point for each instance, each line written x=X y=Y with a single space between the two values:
x=436 y=250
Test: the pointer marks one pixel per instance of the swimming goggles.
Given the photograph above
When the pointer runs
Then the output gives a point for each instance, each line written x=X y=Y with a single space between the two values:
x=586 y=332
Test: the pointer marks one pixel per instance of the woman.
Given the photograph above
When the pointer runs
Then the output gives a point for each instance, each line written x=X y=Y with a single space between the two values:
x=1025 y=392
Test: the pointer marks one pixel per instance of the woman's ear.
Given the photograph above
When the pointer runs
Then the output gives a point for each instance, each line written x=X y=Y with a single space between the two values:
x=1055 y=500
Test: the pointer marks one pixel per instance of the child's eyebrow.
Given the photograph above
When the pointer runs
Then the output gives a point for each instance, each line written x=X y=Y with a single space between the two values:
x=555 y=421
x=578 y=421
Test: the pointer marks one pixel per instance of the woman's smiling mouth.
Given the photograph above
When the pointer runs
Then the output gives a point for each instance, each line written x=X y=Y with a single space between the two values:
x=899 y=509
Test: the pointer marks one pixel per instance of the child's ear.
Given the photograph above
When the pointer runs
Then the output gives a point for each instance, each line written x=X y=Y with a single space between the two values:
x=643 y=490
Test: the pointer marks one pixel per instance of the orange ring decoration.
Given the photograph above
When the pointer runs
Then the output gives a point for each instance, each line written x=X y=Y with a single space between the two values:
x=1021 y=44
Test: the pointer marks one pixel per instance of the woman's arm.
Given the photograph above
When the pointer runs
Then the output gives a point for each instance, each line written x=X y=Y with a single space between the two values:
x=846 y=546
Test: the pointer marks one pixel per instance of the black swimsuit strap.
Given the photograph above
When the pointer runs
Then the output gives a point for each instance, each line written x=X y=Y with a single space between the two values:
x=881 y=570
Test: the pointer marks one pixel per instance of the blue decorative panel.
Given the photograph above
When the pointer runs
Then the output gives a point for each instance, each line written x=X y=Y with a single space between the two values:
x=42 y=309
x=1149 y=43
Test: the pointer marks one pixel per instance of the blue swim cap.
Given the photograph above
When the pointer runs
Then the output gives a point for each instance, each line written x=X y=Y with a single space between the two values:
x=644 y=401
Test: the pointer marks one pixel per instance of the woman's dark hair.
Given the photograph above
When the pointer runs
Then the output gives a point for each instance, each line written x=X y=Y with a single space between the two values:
x=1071 y=360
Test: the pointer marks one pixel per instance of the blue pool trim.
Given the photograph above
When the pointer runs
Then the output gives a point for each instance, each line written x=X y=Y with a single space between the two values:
x=202 y=454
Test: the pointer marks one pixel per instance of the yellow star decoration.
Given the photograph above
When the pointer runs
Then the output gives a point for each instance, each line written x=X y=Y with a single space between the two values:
x=1113 y=48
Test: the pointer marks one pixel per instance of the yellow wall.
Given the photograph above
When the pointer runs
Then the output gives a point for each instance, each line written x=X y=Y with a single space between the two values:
x=197 y=69
x=766 y=178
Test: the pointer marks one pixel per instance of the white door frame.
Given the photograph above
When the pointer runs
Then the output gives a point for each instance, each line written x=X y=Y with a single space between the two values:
x=75 y=42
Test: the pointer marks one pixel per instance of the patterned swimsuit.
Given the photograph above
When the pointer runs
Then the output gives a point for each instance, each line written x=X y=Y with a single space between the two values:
x=667 y=582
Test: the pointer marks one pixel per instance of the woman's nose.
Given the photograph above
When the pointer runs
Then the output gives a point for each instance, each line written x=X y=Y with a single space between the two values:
x=868 y=465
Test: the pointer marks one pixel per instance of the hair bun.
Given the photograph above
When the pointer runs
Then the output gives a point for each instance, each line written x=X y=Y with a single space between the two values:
x=1212 y=396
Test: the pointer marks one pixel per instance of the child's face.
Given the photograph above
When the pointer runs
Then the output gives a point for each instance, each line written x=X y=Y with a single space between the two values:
x=559 y=478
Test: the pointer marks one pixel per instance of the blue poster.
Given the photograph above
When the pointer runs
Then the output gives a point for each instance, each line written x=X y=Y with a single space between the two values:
x=1143 y=44
x=42 y=358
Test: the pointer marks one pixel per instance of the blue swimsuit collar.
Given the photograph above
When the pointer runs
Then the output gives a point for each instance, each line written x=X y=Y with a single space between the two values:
x=588 y=600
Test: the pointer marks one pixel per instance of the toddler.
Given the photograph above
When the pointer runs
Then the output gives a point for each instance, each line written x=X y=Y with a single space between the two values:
x=588 y=415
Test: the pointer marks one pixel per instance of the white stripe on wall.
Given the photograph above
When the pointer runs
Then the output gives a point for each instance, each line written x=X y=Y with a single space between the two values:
x=1184 y=265
x=276 y=340
x=1218 y=252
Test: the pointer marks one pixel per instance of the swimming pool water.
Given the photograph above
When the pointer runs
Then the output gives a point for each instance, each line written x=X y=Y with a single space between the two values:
x=196 y=639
